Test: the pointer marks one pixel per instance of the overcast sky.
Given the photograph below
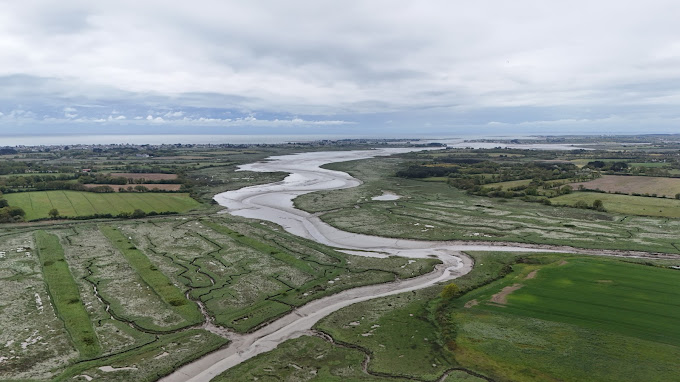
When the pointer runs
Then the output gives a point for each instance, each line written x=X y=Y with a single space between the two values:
x=352 y=67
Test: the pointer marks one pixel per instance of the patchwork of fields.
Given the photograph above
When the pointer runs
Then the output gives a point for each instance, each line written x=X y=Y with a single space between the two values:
x=76 y=203
x=634 y=185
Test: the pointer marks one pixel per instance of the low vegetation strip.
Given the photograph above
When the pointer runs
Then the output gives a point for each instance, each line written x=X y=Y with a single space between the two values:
x=153 y=277
x=38 y=204
x=65 y=295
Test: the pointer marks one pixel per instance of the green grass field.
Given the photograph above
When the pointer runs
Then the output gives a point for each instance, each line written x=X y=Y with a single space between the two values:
x=77 y=203
x=625 y=204
x=648 y=164
x=628 y=299
x=581 y=319
x=65 y=295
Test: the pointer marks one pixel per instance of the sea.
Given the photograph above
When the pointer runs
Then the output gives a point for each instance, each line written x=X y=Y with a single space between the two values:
x=158 y=139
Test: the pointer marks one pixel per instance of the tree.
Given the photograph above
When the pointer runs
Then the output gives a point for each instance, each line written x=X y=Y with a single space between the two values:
x=677 y=196
x=598 y=205
x=53 y=213
x=580 y=204
x=138 y=214
x=450 y=291
x=566 y=189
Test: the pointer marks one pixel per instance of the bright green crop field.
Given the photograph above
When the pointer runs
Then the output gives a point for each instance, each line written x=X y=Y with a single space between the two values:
x=77 y=203
x=577 y=318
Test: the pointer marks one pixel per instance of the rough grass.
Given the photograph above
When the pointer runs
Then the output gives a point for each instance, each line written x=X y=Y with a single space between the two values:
x=261 y=273
x=401 y=332
x=625 y=204
x=634 y=184
x=312 y=359
x=65 y=296
x=161 y=357
x=37 y=204
x=153 y=277
x=455 y=215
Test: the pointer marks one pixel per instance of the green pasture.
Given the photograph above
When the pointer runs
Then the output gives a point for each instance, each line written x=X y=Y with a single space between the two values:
x=37 y=204
x=648 y=164
x=578 y=319
x=625 y=204
x=605 y=295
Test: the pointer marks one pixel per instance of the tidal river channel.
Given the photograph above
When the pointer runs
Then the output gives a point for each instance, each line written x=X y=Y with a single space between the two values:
x=274 y=203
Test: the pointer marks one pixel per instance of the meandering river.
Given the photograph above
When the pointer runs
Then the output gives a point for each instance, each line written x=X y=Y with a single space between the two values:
x=274 y=202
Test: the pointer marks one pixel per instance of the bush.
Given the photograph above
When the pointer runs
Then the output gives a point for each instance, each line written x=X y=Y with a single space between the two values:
x=450 y=291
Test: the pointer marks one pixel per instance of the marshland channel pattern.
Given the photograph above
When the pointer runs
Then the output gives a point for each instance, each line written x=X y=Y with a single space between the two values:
x=274 y=203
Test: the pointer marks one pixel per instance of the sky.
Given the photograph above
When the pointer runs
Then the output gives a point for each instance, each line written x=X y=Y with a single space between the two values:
x=368 y=68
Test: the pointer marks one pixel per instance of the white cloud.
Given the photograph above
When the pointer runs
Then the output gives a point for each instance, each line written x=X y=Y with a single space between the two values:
x=174 y=114
x=341 y=58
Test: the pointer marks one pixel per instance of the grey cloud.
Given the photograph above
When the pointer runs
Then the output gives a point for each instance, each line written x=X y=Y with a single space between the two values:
x=436 y=62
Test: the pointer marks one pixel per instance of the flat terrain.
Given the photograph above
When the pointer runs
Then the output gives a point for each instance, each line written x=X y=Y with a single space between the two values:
x=634 y=184
x=133 y=300
x=123 y=294
x=436 y=211
x=76 y=203
x=625 y=204
x=570 y=318
x=144 y=175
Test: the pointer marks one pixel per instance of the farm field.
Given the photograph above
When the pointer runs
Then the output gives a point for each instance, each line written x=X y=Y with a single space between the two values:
x=144 y=175
x=76 y=203
x=517 y=183
x=625 y=204
x=634 y=184
x=520 y=327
